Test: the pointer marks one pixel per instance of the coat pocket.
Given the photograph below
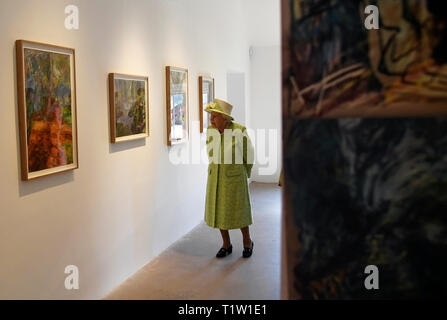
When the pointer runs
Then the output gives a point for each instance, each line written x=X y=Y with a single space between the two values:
x=233 y=171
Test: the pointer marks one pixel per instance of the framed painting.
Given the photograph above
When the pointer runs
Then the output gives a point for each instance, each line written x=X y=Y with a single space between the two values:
x=46 y=91
x=206 y=96
x=364 y=149
x=177 y=105
x=129 y=107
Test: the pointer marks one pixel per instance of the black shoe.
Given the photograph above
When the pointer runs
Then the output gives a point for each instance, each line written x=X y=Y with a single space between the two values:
x=248 y=251
x=224 y=252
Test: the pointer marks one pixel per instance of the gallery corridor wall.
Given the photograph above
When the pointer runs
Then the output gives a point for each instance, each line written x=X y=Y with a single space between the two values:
x=127 y=202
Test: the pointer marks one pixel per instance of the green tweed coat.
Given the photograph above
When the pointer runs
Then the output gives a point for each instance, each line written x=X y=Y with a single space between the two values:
x=227 y=195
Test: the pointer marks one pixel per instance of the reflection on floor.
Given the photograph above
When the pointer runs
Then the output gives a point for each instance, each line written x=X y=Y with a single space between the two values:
x=189 y=270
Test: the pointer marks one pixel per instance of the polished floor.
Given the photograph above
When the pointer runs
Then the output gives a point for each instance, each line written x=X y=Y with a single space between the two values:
x=189 y=270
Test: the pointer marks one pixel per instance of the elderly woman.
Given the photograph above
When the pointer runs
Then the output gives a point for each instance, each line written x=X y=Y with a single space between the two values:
x=231 y=160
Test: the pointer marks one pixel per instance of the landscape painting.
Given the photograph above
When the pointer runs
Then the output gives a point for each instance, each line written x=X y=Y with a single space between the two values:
x=177 y=105
x=47 y=109
x=399 y=69
x=128 y=107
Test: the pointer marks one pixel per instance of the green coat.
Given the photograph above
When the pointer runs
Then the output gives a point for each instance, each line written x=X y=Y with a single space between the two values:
x=227 y=195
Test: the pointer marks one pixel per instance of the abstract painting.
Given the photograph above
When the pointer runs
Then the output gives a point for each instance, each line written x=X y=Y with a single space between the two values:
x=206 y=96
x=368 y=191
x=177 y=105
x=365 y=145
x=397 y=70
x=47 y=109
x=129 y=107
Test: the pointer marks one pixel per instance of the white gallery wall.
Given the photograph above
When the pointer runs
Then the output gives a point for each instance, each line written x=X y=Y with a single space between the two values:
x=126 y=203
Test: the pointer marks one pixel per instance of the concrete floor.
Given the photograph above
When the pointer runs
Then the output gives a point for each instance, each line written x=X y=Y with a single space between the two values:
x=189 y=270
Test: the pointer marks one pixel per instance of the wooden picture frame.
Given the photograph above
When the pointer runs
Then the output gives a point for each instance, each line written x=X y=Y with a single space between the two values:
x=177 y=105
x=46 y=94
x=129 y=107
x=206 y=96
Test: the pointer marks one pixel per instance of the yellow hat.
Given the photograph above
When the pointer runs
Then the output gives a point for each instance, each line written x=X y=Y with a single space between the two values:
x=220 y=106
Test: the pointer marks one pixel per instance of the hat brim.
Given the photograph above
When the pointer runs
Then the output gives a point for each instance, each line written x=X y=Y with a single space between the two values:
x=218 y=111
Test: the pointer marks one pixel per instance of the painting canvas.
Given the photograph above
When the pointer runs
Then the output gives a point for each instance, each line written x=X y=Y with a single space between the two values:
x=367 y=191
x=206 y=96
x=365 y=166
x=177 y=106
x=47 y=109
x=129 y=107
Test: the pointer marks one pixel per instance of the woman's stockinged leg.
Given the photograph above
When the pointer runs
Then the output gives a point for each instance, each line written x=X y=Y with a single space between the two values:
x=246 y=237
x=225 y=238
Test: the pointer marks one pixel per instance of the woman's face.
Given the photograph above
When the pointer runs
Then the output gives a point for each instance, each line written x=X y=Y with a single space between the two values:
x=218 y=121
